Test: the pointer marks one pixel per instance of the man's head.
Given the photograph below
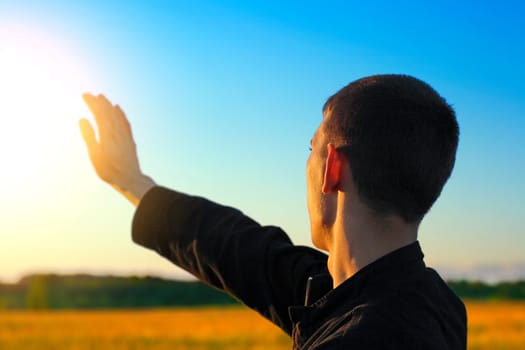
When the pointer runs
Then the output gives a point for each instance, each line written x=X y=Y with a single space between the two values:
x=399 y=138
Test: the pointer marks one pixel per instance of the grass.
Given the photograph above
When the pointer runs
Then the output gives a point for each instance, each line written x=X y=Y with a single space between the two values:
x=210 y=328
x=492 y=325
x=496 y=325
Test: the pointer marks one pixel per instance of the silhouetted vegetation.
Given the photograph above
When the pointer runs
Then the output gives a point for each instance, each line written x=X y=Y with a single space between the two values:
x=484 y=291
x=96 y=292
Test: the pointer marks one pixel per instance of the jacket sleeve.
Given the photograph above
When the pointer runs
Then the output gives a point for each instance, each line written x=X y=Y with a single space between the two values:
x=221 y=246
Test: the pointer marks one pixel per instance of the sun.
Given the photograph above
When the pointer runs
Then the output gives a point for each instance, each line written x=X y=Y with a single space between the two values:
x=40 y=88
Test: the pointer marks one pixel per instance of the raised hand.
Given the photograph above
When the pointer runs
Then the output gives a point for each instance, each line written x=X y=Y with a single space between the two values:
x=114 y=154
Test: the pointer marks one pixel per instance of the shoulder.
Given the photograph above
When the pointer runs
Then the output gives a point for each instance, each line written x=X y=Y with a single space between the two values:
x=398 y=321
x=368 y=326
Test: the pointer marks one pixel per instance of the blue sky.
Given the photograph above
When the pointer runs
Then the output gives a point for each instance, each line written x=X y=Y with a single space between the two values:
x=224 y=96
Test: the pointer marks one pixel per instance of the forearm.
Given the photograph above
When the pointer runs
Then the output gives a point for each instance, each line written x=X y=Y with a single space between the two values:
x=207 y=239
x=221 y=246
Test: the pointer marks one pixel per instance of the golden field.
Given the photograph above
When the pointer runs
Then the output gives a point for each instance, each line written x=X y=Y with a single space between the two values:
x=209 y=328
x=496 y=325
x=492 y=325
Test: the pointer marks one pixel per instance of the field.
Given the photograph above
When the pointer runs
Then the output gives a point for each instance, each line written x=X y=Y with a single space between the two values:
x=210 y=328
x=498 y=325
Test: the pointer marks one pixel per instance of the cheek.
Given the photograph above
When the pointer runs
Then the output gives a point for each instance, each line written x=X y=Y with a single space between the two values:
x=310 y=190
x=309 y=174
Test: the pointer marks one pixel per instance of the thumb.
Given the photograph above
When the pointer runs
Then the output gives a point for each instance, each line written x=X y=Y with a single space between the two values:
x=88 y=134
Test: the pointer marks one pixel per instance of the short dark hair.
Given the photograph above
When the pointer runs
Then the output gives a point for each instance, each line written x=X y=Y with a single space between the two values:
x=400 y=137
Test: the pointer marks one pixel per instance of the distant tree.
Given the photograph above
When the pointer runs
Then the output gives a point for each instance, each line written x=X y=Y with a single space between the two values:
x=37 y=297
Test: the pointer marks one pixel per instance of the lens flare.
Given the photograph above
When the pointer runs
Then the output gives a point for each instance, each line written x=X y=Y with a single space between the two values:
x=40 y=87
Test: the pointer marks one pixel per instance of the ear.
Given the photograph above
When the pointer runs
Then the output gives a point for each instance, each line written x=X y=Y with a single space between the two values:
x=333 y=170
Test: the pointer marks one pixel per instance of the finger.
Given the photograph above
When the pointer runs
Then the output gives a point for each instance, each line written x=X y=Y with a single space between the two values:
x=88 y=134
x=123 y=120
x=109 y=111
x=99 y=109
x=91 y=102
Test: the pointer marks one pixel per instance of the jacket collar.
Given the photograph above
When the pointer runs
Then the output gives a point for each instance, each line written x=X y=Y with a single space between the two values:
x=376 y=275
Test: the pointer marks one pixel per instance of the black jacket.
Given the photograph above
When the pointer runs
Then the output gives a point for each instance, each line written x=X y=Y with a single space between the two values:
x=395 y=302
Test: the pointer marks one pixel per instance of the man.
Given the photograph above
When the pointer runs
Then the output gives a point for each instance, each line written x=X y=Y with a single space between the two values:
x=380 y=158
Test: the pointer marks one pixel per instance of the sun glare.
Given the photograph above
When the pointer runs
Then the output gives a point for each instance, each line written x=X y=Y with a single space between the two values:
x=40 y=88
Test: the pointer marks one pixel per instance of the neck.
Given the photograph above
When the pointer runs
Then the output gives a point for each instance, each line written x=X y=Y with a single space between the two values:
x=359 y=237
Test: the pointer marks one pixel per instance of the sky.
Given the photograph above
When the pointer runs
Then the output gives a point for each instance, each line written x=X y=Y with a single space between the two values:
x=223 y=98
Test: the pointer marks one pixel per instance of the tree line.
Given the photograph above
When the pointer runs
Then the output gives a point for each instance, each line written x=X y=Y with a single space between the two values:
x=50 y=291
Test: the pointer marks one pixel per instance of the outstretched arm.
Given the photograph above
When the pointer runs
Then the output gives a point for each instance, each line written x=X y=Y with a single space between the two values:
x=114 y=154
x=219 y=245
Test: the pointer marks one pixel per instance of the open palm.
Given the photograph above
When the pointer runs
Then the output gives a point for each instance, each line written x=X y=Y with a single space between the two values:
x=114 y=154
